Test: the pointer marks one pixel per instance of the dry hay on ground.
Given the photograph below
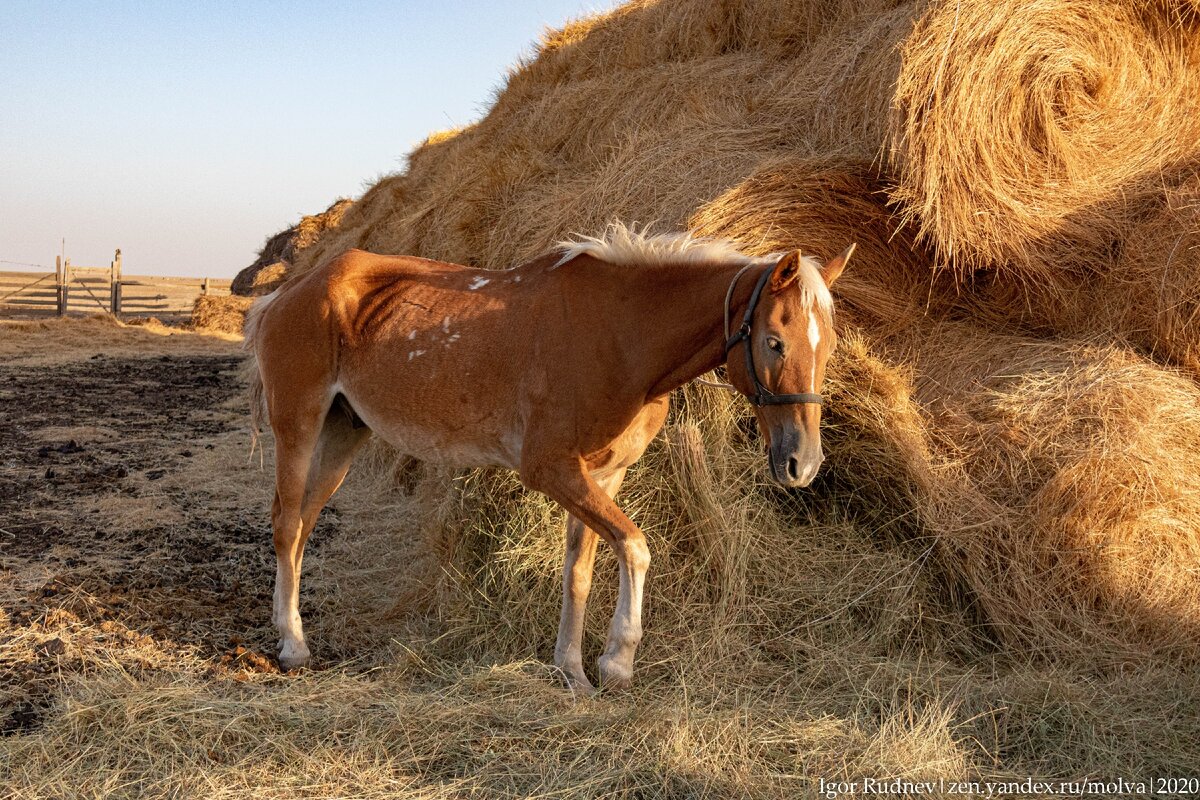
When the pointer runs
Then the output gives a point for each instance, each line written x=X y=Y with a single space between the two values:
x=268 y=270
x=226 y=314
x=51 y=341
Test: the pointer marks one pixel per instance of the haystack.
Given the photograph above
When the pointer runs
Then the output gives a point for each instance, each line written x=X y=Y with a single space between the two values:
x=267 y=271
x=648 y=142
x=1033 y=492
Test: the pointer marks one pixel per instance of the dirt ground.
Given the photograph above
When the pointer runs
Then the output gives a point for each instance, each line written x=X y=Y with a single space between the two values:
x=105 y=543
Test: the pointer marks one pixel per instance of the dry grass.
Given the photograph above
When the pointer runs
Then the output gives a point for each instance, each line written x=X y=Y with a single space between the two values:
x=791 y=637
x=846 y=658
x=224 y=314
x=52 y=341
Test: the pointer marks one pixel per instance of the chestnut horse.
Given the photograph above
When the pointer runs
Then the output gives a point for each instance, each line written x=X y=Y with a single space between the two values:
x=559 y=368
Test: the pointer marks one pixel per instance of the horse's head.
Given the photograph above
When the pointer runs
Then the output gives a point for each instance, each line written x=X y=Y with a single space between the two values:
x=790 y=335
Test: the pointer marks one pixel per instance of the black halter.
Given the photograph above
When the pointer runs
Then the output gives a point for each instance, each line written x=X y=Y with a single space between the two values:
x=762 y=395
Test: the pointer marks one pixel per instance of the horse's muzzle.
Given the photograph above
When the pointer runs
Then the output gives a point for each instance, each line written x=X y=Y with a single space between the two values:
x=795 y=459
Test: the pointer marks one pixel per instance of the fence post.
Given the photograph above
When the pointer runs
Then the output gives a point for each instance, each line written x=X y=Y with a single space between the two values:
x=115 y=281
x=204 y=288
x=62 y=278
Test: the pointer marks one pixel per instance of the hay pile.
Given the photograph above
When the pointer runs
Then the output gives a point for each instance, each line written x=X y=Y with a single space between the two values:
x=1047 y=151
x=268 y=270
x=226 y=314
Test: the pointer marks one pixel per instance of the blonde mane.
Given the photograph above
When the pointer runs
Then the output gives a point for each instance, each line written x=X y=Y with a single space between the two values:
x=620 y=244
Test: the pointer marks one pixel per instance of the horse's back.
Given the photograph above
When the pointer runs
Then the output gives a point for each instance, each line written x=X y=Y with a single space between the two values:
x=426 y=355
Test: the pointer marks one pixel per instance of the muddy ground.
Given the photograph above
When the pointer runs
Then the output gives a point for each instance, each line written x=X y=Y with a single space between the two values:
x=108 y=551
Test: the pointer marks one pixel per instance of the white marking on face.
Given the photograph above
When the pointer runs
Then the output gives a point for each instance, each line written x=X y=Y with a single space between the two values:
x=478 y=282
x=814 y=338
x=516 y=279
x=414 y=353
x=446 y=325
x=412 y=334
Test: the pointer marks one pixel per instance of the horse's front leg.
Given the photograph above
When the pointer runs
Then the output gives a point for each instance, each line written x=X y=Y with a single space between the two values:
x=577 y=583
x=568 y=482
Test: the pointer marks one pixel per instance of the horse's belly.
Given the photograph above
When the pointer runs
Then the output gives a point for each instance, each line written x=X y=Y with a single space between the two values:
x=464 y=447
x=452 y=453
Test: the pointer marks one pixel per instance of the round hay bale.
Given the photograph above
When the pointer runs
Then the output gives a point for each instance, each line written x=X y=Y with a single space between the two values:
x=1020 y=129
x=1152 y=296
x=1066 y=497
x=1146 y=295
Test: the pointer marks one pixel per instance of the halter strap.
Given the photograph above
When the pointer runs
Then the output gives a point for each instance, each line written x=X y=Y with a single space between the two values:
x=762 y=395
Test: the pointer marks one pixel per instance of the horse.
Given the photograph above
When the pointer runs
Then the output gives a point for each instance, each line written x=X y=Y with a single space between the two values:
x=559 y=368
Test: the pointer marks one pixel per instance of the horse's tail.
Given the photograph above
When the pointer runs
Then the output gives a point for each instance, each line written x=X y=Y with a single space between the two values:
x=253 y=375
x=258 y=403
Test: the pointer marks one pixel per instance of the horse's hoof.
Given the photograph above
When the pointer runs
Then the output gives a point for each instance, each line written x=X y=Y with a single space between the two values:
x=614 y=675
x=293 y=657
x=574 y=677
x=580 y=685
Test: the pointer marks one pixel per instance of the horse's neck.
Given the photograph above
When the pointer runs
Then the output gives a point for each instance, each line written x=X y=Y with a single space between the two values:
x=680 y=332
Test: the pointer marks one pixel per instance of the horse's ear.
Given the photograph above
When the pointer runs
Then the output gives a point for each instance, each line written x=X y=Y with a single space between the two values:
x=785 y=272
x=833 y=269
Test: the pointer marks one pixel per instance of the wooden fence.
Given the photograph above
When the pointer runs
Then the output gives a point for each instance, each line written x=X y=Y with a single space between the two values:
x=91 y=290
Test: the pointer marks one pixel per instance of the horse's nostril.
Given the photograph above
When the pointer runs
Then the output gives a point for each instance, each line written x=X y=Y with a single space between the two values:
x=794 y=468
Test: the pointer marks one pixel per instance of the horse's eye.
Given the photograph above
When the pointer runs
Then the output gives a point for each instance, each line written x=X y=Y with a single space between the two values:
x=775 y=344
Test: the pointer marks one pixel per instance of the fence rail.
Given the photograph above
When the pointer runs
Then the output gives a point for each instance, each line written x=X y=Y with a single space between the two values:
x=74 y=289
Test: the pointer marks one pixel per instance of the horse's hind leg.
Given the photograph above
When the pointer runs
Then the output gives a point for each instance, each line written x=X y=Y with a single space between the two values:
x=577 y=584
x=295 y=515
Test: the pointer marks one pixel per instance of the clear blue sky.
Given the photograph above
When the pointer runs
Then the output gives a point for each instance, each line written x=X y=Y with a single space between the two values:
x=185 y=133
